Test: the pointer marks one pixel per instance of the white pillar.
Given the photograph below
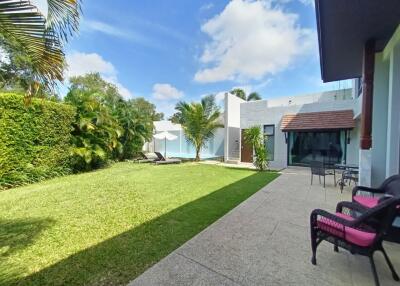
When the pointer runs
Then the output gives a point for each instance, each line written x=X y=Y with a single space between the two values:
x=393 y=130
x=226 y=127
x=365 y=168
x=180 y=141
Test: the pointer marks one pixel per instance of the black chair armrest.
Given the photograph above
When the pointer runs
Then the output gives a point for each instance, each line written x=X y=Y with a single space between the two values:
x=366 y=189
x=342 y=206
x=318 y=212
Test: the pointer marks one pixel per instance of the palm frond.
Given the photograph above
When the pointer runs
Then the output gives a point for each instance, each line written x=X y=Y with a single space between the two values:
x=22 y=25
x=63 y=17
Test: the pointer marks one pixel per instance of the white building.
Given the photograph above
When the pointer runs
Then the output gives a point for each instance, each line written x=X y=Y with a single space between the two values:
x=332 y=135
x=292 y=138
x=181 y=147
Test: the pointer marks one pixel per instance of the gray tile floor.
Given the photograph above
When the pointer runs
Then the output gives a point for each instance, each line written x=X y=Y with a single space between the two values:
x=265 y=241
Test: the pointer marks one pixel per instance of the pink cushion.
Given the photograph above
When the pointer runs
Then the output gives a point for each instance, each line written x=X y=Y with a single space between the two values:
x=352 y=235
x=368 y=202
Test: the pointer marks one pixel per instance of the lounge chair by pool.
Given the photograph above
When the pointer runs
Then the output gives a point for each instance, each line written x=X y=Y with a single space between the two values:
x=162 y=160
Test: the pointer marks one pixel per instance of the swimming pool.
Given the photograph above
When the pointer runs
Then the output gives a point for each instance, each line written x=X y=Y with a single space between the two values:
x=189 y=155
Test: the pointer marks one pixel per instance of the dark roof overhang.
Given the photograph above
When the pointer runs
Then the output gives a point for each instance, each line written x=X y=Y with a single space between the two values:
x=343 y=28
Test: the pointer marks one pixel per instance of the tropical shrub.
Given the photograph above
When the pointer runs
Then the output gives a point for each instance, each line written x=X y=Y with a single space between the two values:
x=107 y=126
x=95 y=131
x=35 y=139
x=254 y=137
x=137 y=126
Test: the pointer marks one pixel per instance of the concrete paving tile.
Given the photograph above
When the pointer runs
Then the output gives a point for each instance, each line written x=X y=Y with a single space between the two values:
x=266 y=241
x=176 y=270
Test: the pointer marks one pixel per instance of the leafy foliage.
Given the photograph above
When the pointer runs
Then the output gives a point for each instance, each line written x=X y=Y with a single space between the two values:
x=96 y=132
x=242 y=94
x=25 y=29
x=137 y=125
x=199 y=121
x=239 y=93
x=107 y=127
x=253 y=96
x=254 y=137
x=35 y=140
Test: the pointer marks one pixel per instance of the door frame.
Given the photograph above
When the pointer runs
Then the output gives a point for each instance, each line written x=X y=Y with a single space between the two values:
x=242 y=143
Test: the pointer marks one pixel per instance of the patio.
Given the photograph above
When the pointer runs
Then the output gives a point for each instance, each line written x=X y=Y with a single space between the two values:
x=265 y=241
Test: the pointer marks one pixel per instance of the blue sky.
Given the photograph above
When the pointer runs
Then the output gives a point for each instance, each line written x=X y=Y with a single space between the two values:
x=176 y=50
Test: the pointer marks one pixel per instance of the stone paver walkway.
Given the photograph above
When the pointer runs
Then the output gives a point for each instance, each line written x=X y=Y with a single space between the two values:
x=265 y=241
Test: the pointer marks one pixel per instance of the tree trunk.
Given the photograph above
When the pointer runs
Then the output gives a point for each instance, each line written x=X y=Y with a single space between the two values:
x=197 y=155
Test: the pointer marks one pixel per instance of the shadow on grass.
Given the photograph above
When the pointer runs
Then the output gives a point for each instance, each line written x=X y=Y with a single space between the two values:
x=18 y=234
x=15 y=235
x=122 y=258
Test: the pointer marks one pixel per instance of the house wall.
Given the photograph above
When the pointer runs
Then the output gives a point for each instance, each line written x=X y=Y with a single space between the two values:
x=232 y=127
x=181 y=147
x=393 y=128
x=379 y=123
x=384 y=155
x=260 y=113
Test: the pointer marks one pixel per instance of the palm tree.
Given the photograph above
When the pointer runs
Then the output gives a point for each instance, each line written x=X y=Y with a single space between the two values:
x=253 y=96
x=199 y=121
x=239 y=93
x=242 y=94
x=42 y=38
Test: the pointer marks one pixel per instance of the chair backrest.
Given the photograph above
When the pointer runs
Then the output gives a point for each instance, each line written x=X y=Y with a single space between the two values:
x=381 y=216
x=150 y=156
x=391 y=185
x=160 y=156
x=317 y=168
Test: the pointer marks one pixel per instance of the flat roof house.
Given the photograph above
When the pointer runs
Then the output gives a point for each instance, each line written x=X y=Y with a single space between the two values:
x=361 y=39
x=322 y=126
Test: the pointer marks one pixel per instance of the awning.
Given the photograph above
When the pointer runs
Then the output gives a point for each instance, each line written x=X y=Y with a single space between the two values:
x=343 y=28
x=326 y=120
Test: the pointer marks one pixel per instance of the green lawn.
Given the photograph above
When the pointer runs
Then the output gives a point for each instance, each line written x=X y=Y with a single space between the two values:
x=109 y=226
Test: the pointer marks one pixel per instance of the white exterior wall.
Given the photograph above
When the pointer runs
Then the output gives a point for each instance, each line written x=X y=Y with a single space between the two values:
x=232 y=127
x=393 y=119
x=259 y=113
x=181 y=146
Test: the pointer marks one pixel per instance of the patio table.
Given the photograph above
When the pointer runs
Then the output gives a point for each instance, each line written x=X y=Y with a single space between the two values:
x=350 y=173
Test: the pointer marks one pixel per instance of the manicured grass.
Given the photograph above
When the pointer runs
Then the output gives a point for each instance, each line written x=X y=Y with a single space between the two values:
x=109 y=226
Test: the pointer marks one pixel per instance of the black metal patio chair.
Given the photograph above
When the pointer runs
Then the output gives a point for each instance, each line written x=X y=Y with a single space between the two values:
x=362 y=234
x=320 y=169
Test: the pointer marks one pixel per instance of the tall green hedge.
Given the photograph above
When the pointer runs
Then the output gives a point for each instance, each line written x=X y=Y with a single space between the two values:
x=35 y=139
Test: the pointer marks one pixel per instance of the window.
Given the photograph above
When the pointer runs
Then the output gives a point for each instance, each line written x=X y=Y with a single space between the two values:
x=269 y=140
x=324 y=146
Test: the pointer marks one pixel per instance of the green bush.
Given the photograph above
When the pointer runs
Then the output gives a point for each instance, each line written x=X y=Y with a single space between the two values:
x=35 y=139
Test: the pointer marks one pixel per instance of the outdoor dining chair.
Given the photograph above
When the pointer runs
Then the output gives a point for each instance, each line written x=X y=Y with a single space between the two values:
x=320 y=169
x=360 y=234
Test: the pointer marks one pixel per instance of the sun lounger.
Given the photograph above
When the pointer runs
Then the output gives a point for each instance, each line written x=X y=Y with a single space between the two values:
x=148 y=158
x=162 y=160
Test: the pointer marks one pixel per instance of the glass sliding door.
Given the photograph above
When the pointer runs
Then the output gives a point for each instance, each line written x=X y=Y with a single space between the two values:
x=327 y=146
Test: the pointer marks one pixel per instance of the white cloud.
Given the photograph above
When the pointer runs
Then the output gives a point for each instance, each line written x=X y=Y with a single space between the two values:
x=308 y=2
x=207 y=6
x=105 y=28
x=250 y=40
x=165 y=91
x=83 y=63
x=118 y=32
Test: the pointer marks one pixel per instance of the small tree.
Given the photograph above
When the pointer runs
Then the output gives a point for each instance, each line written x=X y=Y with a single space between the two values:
x=199 y=121
x=255 y=138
